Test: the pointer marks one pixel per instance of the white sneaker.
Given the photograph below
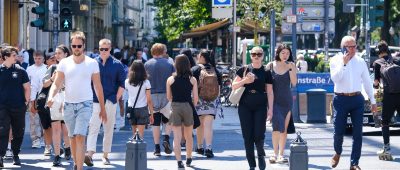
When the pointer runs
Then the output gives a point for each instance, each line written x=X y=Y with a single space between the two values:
x=42 y=144
x=47 y=150
x=36 y=144
x=9 y=153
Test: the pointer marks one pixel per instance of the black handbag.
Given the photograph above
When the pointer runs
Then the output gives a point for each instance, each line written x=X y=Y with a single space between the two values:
x=131 y=111
x=196 y=119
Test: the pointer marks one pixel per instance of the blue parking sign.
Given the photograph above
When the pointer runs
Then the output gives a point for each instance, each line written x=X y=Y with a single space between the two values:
x=221 y=3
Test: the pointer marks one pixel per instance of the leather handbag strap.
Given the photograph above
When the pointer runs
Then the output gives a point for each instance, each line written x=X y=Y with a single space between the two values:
x=137 y=96
x=244 y=71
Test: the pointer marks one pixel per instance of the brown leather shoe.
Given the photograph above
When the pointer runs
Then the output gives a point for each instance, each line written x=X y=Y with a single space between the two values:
x=355 y=167
x=335 y=160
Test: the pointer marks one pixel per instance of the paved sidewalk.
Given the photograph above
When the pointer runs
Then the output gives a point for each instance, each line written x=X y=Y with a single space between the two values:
x=229 y=149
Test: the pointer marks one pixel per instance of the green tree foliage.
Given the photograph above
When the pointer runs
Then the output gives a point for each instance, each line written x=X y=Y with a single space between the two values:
x=177 y=16
x=258 y=12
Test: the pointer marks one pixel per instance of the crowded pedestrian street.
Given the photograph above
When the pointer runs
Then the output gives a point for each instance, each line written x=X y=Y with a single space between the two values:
x=228 y=147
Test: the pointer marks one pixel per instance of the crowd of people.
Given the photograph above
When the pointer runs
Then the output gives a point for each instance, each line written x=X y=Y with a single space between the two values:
x=70 y=95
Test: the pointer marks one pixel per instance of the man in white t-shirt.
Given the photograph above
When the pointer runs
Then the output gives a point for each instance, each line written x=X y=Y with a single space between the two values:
x=36 y=73
x=76 y=73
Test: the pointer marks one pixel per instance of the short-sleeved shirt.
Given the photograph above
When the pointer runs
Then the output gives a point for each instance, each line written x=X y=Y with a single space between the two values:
x=196 y=70
x=36 y=75
x=78 y=78
x=262 y=77
x=378 y=64
x=12 y=90
x=158 y=69
x=112 y=76
x=133 y=92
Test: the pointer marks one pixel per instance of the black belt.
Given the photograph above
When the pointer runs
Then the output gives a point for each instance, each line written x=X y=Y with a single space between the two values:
x=254 y=91
x=349 y=94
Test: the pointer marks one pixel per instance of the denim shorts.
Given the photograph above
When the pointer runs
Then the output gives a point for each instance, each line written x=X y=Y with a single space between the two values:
x=77 y=117
x=138 y=116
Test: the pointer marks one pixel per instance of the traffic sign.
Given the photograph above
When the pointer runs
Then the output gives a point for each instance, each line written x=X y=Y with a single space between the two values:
x=309 y=1
x=308 y=27
x=221 y=13
x=221 y=3
x=291 y=19
x=310 y=12
x=236 y=29
x=317 y=27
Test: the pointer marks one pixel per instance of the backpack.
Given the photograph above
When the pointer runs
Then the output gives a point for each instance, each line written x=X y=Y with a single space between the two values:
x=208 y=84
x=391 y=74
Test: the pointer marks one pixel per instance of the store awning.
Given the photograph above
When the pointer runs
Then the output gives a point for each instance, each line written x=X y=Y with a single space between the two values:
x=203 y=30
x=249 y=27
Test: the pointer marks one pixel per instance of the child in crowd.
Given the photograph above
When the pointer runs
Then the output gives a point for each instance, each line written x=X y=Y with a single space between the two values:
x=139 y=102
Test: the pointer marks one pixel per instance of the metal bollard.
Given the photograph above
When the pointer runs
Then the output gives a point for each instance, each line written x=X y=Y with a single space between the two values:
x=136 y=156
x=298 y=159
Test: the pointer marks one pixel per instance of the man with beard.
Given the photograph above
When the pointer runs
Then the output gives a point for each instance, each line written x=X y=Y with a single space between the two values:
x=76 y=73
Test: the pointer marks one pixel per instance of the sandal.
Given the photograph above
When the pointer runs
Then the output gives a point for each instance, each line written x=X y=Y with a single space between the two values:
x=282 y=159
x=272 y=159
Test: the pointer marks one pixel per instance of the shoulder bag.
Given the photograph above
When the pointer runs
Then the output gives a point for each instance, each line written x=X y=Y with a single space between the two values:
x=131 y=111
x=235 y=95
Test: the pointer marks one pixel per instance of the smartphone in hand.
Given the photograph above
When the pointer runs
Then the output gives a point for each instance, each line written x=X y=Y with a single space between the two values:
x=344 y=50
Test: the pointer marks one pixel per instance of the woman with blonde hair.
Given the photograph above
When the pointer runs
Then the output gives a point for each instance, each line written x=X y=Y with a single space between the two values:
x=253 y=105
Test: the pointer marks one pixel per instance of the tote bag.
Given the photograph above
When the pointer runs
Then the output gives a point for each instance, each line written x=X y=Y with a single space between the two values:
x=235 y=95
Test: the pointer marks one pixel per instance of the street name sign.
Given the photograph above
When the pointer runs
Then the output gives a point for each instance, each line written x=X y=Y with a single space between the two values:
x=308 y=27
x=221 y=3
x=310 y=12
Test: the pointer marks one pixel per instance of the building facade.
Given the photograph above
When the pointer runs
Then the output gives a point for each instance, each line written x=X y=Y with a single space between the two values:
x=125 y=22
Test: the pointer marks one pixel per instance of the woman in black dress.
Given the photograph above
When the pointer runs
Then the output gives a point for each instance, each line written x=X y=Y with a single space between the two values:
x=284 y=77
x=253 y=105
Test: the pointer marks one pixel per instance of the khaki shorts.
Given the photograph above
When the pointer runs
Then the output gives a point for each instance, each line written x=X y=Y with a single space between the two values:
x=181 y=113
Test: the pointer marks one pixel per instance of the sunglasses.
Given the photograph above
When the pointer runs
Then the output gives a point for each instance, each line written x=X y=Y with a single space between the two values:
x=103 y=49
x=76 y=46
x=351 y=46
x=256 y=54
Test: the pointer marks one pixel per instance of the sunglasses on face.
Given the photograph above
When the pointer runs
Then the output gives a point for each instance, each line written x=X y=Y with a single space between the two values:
x=256 y=54
x=76 y=46
x=103 y=49
x=351 y=46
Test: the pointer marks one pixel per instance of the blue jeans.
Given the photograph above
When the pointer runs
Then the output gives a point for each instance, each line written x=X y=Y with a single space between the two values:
x=342 y=105
x=77 y=117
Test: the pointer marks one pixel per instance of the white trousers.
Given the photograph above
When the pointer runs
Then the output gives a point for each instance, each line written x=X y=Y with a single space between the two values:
x=108 y=127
